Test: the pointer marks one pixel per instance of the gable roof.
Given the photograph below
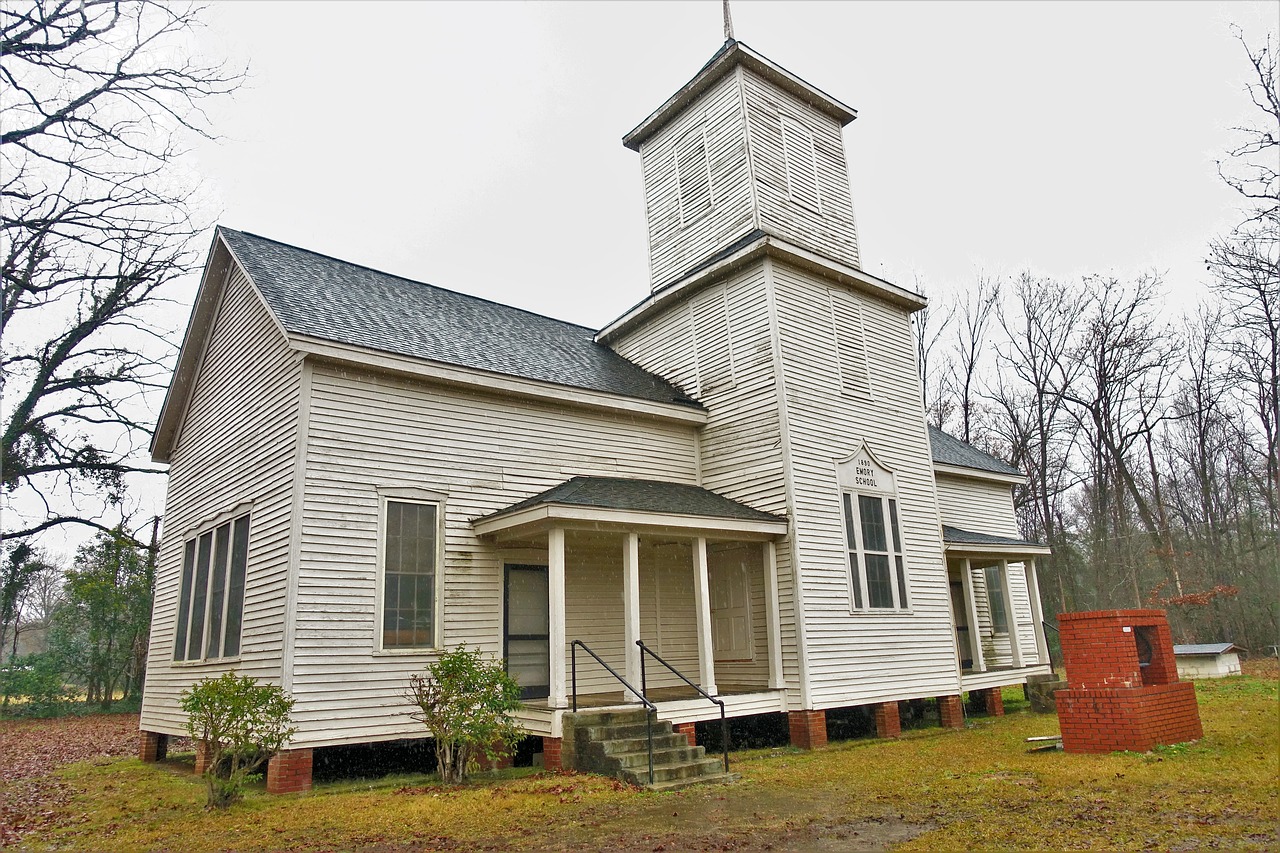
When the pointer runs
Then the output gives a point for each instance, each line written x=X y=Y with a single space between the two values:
x=641 y=496
x=323 y=297
x=957 y=536
x=1199 y=649
x=949 y=450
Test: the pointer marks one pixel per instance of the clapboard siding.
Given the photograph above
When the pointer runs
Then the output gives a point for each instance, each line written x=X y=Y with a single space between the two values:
x=830 y=230
x=676 y=242
x=227 y=455
x=482 y=452
x=977 y=505
x=740 y=446
x=859 y=657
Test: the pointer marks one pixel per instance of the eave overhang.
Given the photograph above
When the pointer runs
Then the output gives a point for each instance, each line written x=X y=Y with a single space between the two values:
x=732 y=55
x=979 y=474
x=966 y=549
x=537 y=519
x=767 y=245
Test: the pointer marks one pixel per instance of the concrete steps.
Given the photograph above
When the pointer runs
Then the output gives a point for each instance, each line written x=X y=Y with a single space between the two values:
x=616 y=743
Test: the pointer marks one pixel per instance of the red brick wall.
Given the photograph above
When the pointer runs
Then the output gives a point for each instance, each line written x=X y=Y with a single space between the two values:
x=1100 y=653
x=951 y=709
x=153 y=746
x=551 y=753
x=1133 y=718
x=993 y=701
x=689 y=730
x=289 y=771
x=808 y=728
x=202 y=757
x=888 y=720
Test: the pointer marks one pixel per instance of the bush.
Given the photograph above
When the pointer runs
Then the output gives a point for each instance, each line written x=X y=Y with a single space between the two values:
x=467 y=702
x=32 y=686
x=242 y=723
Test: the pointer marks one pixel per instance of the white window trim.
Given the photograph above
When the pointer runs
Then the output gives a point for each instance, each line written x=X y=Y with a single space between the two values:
x=848 y=483
x=688 y=218
x=192 y=535
x=784 y=122
x=414 y=496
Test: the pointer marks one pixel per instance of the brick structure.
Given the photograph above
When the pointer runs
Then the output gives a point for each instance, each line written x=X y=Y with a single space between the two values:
x=689 y=731
x=888 y=720
x=501 y=763
x=202 y=757
x=551 y=753
x=1122 y=690
x=289 y=771
x=951 y=710
x=993 y=702
x=808 y=728
x=153 y=746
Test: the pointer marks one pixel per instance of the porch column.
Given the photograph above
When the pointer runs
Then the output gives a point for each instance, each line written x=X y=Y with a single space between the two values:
x=555 y=617
x=1037 y=611
x=1015 y=647
x=975 y=629
x=702 y=602
x=631 y=610
x=773 y=615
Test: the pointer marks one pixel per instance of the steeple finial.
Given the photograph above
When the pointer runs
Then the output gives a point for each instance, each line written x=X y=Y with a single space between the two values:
x=728 y=22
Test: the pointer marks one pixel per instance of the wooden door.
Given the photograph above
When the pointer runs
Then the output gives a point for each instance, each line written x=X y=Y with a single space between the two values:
x=526 y=640
x=731 y=632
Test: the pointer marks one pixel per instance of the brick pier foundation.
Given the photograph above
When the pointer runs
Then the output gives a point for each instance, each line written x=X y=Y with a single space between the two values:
x=888 y=720
x=689 y=731
x=203 y=757
x=993 y=702
x=289 y=771
x=551 y=753
x=153 y=746
x=808 y=728
x=951 y=709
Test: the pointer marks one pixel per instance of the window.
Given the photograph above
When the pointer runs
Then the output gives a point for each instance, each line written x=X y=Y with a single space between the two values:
x=995 y=600
x=410 y=554
x=851 y=350
x=873 y=534
x=693 y=175
x=800 y=159
x=211 y=595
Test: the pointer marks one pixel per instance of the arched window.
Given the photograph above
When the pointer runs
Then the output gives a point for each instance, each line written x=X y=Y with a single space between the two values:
x=873 y=534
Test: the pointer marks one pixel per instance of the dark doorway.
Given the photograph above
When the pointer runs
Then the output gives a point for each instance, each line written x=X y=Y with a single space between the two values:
x=526 y=639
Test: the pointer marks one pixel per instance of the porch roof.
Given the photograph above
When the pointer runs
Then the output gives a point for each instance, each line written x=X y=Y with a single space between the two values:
x=615 y=501
x=958 y=541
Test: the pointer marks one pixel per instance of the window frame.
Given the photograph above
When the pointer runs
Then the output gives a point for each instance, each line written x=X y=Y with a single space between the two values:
x=420 y=497
x=1002 y=629
x=689 y=216
x=881 y=486
x=222 y=555
x=800 y=161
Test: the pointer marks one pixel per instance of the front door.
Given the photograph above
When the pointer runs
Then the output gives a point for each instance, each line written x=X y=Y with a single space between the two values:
x=730 y=607
x=964 y=646
x=526 y=640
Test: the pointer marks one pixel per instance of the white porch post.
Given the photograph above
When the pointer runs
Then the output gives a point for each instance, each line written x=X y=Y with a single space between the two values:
x=773 y=615
x=631 y=609
x=1015 y=647
x=975 y=630
x=702 y=601
x=555 y=617
x=1037 y=612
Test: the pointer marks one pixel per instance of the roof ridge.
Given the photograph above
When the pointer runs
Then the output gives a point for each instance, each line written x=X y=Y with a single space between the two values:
x=484 y=299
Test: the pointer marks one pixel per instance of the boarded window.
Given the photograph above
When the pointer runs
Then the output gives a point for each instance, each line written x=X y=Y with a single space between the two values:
x=693 y=175
x=211 y=593
x=409 y=575
x=801 y=163
x=851 y=348
x=712 y=344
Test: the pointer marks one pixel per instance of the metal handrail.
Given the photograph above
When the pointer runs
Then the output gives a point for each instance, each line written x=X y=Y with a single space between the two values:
x=644 y=686
x=650 y=708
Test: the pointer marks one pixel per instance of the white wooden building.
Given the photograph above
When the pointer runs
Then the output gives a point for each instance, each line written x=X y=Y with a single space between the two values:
x=1207 y=660
x=366 y=469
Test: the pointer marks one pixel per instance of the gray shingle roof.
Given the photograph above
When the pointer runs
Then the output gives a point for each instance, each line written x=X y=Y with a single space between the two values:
x=641 y=495
x=956 y=536
x=949 y=450
x=1197 y=649
x=323 y=297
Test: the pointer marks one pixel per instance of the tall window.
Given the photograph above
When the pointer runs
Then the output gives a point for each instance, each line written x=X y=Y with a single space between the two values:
x=693 y=175
x=876 y=564
x=410 y=554
x=211 y=596
x=995 y=600
x=800 y=158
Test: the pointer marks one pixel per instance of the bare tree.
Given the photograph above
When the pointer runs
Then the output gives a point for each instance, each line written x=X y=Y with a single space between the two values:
x=1253 y=169
x=931 y=324
x=971 y=342
x=97 y=219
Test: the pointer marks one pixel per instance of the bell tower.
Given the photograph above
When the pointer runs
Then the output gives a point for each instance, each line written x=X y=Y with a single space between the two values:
x=744 y=149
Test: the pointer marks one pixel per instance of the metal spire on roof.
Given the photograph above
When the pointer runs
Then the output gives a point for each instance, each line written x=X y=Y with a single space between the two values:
x=728 y=22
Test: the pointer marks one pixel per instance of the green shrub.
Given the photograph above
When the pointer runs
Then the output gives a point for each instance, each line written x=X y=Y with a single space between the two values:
x=467 y=702
x=242 y=723
x=32 y=686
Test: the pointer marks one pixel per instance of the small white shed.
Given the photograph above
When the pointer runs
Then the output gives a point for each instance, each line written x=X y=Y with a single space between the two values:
x=1207 y=660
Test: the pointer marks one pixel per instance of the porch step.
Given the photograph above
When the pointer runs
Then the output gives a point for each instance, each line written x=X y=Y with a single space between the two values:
x=616 y=743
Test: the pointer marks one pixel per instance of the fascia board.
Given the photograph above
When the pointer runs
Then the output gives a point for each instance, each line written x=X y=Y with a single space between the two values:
x=976 y=550
x=979 y=474
x=492 y=382
x=552 y=514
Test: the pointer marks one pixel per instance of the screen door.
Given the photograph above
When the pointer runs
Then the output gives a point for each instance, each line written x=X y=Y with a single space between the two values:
x=527 y=632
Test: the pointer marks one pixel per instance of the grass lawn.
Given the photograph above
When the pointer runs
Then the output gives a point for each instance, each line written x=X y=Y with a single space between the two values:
x=931 y=790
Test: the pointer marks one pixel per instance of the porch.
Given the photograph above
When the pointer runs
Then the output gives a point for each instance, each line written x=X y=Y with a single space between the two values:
x=995 y=603
x=608 y=562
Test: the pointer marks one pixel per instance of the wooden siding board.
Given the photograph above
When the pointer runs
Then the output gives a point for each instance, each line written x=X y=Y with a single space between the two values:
x=226 y=455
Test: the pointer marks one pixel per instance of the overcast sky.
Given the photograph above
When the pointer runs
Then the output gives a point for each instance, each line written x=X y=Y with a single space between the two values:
x=477 y=145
